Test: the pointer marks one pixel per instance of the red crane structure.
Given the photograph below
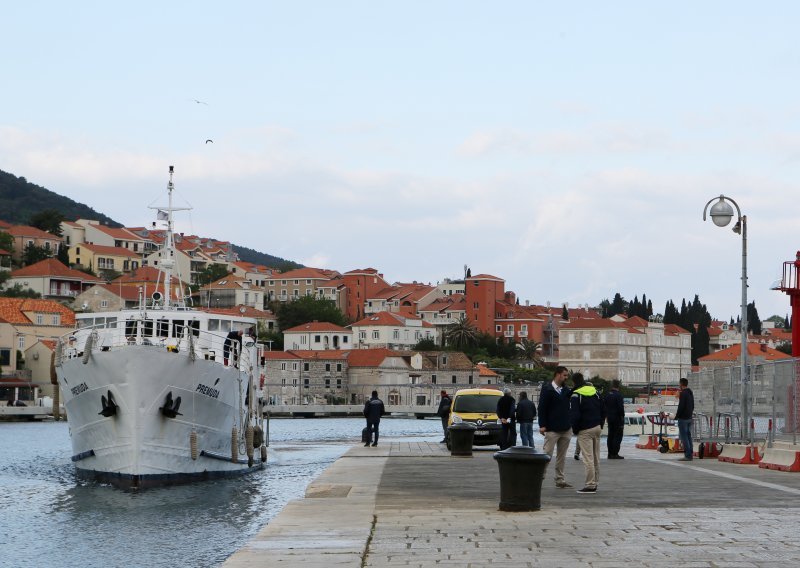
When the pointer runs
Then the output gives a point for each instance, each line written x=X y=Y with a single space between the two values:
x=790 y=284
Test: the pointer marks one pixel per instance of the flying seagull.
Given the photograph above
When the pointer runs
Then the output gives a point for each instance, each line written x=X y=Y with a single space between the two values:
x=209 y=140
x=200 y=102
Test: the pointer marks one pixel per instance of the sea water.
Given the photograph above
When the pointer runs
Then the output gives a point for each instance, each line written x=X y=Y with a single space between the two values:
x=49 y=518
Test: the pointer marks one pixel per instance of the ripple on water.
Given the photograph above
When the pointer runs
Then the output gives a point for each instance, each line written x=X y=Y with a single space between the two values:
x=51 y=518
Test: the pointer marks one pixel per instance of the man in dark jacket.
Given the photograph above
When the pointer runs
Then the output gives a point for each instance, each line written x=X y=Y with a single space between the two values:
x=505 y=412
x=587 y=414
x=684 y=417
x=615 y=415
x=443 y=412
x=554 y=421
x=526 y=412
x=373 y=410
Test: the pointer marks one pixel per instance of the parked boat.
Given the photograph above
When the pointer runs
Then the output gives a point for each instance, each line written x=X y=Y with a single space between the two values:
x=162 y=393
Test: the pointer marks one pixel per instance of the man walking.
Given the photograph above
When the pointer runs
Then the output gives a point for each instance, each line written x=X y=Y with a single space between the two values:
x=586 y=412
x=505 y=412
x=554 y=421
x=373 y=410
x=526 y=412
x=615 y=415
x=684 y=417
x=443 y=412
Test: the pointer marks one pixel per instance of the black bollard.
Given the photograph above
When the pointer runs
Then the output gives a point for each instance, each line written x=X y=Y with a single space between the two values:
x=521 y=475
x=461 y=436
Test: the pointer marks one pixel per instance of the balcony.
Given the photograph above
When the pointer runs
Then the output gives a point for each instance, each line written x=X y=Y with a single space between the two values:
x=508 y=334
x=523 y=334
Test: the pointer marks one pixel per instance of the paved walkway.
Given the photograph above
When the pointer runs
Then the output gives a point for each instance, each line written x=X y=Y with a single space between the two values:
x=412 y=504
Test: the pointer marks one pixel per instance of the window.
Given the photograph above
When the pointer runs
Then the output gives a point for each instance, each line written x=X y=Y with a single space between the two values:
x=39 y=319
x=213 y=325
x=296 y=282
x=433 y=379
x=283 y=382
x=305 y=383
x=444 y=360
x=327 y=367
x=344 y=339
x=338 y=383
x=5 y=357
x=303 y=339
x=376 y=334
x=308 y=282
x=305 y=366
x=294 y=382
x=283 y=282
x=327 y=383
x=396 y=334
x=21 y=342
x=296 y=293
x=338 y=367
x=162 y=328
x=272 y=283
x=475 y=305
x=103 y=303
x=317 y=339
x=283 y=366
x=362 y=335
x=498 y=328
x=470 y=379
x=294 y=366
x=454 y=379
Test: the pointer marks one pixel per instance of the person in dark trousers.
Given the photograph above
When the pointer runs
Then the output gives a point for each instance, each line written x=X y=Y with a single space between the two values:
x=505 y=412
x=228 y=346
x=615 y=416
x=443 y=412
x=684 y=417
x=554 y=421
x=526 y=412
x=587 y=414
x=373 y=410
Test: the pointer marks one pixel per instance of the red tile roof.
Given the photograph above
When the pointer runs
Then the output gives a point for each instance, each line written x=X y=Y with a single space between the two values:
x=27 y=231
x=115 y=251
x=13 y=310
x=143 y=274
x=387 y=319
x=249 y=312
x=368 y=357
x=307 y=273
x=485 y=277
x=118 y=234
x=52 y=267
x=323 y=355
x=734 y=352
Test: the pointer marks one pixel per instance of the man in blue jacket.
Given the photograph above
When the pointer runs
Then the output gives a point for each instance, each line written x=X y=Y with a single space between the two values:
x=554 y=421
x=587 y=414
x=373 y=410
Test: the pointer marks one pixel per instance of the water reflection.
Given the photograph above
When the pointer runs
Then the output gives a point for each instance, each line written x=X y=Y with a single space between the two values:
x=52 y=518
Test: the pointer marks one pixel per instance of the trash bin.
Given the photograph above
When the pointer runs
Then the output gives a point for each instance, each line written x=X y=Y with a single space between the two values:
x=461 y=436
x=521 y=475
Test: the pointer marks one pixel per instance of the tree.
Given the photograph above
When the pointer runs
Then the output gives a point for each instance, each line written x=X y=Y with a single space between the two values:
x=17 y=291
x=34 y=254
x=47 y=220
x=425 y=345
x=461 y=333
x=564 y=313
x=63 y=255
x=6 y=241
x=306 y=309
x=784 y=347
x=618 y=305
x=271 y=337
x=753 y=322
x=531 y=351
x=211 y=273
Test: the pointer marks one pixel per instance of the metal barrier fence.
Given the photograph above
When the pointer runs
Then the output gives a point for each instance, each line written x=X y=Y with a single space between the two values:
x=762 y=409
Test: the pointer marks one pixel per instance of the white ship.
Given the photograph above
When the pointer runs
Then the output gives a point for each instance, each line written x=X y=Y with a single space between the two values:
x=161 y=394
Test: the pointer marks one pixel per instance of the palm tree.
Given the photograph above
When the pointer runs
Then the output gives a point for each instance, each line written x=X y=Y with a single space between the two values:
x=461 y=333
x=532 y=351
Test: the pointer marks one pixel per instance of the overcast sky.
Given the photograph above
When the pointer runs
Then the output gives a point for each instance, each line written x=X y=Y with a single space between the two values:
x=568 y=147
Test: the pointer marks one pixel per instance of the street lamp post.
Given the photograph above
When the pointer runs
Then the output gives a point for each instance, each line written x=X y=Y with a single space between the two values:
x=721 y=214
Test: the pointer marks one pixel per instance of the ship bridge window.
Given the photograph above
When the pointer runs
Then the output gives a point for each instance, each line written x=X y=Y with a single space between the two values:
x=99 y=322
x=225 y=326
x=162 y=328
x=111 y=323
x=147 y=328
x=130 y=328
x=213 y=325
x=84 y=323
x=178 y=329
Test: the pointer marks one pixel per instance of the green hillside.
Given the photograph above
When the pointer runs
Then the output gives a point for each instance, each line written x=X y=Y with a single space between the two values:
x=20 y=199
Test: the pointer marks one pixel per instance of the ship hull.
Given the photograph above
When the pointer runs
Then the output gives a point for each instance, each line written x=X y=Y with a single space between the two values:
x=140 y=445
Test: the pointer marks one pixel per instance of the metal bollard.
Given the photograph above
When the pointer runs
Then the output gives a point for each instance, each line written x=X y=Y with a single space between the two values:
x=521 y=474
x=461 y=437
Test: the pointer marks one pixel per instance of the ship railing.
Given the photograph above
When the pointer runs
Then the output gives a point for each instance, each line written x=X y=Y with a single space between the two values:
x=197 y=343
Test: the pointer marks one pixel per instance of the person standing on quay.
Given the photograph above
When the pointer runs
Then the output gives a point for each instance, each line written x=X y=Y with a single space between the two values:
x=684 y=417
x=444 y=413
x=526 y=412
x=505 y=412
x=554 y=421
x=587 y=413
x=373 y=410
x=615 y=415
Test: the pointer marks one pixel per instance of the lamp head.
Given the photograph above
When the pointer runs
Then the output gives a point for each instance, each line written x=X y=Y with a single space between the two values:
x=721 y=212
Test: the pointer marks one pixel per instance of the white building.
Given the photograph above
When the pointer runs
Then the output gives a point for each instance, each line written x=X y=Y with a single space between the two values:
x=393 y=331
x=317 y=336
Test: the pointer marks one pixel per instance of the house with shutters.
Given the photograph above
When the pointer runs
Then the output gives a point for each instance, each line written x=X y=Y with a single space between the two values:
x=317 y=336
x=52 y=279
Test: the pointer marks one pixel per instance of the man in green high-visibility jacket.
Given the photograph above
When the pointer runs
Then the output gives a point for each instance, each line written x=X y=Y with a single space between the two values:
x=587 y=415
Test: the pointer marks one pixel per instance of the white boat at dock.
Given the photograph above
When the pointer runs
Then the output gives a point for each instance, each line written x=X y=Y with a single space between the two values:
x=159 y=394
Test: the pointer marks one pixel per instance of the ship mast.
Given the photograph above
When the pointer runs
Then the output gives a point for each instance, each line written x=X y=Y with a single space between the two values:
x=167 y=263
